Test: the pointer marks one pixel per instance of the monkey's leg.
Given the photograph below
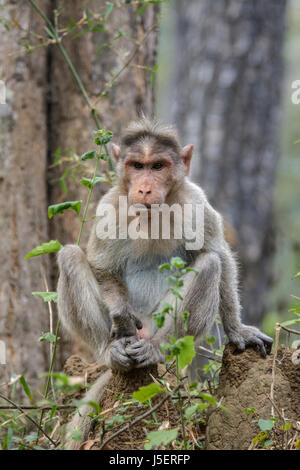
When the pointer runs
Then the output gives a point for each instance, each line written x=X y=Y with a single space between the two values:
x=82 y=421
x=80 y=306
x=201 y=296
x=83 y=311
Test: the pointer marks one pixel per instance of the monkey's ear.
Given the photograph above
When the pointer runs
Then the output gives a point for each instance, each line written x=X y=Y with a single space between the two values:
x=116 y=151
x=186 y=156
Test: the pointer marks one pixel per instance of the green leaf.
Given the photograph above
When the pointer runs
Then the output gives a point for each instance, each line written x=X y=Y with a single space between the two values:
x=191 y=410
x=26 y=389
x=210 y=340
x=176 y=293
x=266 y=424
x=146 y=393
x=159 y=319
x=50 y=247
x=210 y=399
x=290 y=322
x=187 y=351
x=62 y=207
x=268 y=443
x=106 y=44
x=142 y=9
x=158 y=438
x=109 y=8
x=88 y=155
x=185 y=317
x=96 y=406
x=46 y=296
x=164 y=266
x=51 y=338
x=88 y=182
x=177 y=262
x=286 y=427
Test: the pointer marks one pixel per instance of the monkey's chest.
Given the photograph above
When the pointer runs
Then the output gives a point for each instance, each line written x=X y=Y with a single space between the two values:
x=146 y=285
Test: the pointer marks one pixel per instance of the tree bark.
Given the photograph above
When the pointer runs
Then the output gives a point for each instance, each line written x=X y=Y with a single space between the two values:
x=227 y=82
x=70 y=118
x=45 y=110
x=23 y=197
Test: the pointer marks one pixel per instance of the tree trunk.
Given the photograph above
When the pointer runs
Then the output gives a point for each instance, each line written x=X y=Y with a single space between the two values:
x=23 y=197
x=227 y=82
x=70 y=118
x=45 y=110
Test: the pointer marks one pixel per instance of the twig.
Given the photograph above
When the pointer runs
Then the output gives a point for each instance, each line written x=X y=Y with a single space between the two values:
x=29 y=418
x=289 y=330
x=51 y=325
x=211 y=358
x=138 y=419
x=278 y=327
x=31 y=407
x=78 y=80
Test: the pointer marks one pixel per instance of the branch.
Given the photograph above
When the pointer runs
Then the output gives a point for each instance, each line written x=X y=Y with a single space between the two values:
x=138 y=419
x=31 y=407
x=29 y=418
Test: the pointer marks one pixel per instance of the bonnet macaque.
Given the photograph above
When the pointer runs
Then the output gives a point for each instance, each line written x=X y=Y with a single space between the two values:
x=108 y=295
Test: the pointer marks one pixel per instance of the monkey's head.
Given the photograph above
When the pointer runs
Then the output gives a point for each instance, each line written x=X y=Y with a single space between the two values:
x=151 y=163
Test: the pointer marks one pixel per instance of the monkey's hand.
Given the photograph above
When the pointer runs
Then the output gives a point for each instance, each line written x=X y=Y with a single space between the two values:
x=250 y=336
x=144 y=352
x=117 y=355
x=124 y=322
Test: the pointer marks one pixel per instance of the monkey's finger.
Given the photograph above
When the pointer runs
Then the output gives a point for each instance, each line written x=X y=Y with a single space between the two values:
x=137 y=346
x=137 y=322
x=256 y=341
x=266 y=339
x=239 y=343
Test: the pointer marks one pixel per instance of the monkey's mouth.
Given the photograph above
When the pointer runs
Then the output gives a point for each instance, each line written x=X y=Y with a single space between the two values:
x=146 y=207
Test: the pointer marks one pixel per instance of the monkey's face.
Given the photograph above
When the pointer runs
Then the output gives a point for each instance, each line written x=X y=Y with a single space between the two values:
x=149 y=177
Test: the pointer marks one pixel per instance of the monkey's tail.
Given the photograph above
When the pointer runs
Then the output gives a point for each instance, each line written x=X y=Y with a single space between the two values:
x=81 y=421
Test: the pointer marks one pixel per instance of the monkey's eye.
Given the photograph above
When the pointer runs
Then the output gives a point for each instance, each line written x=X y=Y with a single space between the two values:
x=138 y=165
x=157 y=166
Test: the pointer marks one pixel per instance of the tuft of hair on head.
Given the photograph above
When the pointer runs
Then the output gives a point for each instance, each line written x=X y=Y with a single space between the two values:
x=145 y=128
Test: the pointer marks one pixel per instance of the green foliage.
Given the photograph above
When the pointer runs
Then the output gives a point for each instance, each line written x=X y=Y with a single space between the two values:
x=26 y=389
x=50 y=247
x=46 y=296
x=148 y=392
x=186 y=350
x=50 y=337
x=103 y=138
x=88 y=155
x=63 y=206
x=158 y=438
x=90 y=183
x=266 y=424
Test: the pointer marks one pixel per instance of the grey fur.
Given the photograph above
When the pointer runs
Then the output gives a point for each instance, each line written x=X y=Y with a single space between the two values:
x=118 y=283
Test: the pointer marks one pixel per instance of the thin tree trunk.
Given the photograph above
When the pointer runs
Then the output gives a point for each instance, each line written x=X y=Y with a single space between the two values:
x=23 y=196
x=71 y=122
x=227 y=84
x=46 y=111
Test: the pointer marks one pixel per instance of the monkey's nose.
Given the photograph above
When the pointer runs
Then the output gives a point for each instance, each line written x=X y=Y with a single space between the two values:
x=143 y=192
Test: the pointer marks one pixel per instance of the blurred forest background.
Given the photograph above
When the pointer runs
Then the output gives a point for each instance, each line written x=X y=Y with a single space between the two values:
x=221 y=71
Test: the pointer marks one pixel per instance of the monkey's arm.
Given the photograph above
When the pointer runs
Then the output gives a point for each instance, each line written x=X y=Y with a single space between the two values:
x=238 y=334
x=114 y=294
x=230 y=308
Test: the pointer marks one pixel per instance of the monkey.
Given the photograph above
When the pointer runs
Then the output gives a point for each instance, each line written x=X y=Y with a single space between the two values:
x=108 y=295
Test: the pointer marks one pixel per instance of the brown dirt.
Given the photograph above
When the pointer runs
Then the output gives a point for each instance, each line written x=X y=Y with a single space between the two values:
x=245 y=382
x=119 y=390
